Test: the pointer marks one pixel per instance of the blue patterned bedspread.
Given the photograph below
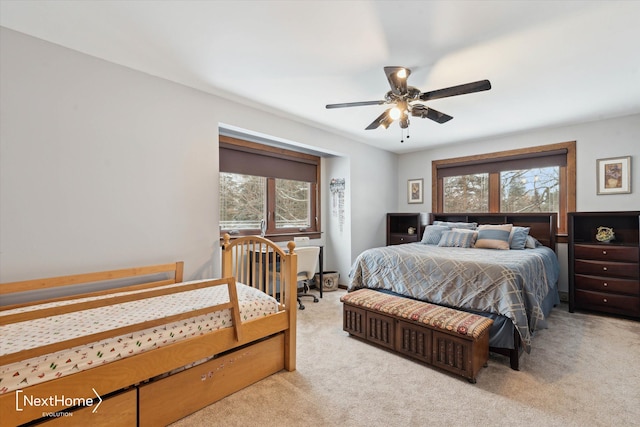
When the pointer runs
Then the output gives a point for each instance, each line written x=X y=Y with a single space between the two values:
x=511 y=283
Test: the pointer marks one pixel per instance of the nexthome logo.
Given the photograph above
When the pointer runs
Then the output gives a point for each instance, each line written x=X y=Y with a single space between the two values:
x=28 y=400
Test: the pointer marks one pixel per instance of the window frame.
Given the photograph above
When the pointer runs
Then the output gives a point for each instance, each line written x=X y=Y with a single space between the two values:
x=282 y=155
x=492 y=163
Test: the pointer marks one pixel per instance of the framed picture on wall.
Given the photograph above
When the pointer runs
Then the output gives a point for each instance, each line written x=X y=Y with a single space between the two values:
x=614 y=175
x=415 y=191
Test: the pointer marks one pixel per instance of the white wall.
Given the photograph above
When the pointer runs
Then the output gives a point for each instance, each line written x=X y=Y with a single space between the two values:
x=105 y=167
x=594 y=140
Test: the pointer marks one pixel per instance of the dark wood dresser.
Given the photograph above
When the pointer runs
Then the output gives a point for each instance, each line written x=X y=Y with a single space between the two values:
x=604 y=277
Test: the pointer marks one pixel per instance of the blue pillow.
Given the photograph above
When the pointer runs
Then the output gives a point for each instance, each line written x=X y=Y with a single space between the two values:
x=518 y=237
x=432 y=234
x=458 y=238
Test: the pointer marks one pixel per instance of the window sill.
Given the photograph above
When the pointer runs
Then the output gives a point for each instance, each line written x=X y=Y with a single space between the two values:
x=279 y=237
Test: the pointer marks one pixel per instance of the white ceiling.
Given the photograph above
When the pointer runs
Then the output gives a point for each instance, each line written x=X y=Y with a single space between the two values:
x=551 y=63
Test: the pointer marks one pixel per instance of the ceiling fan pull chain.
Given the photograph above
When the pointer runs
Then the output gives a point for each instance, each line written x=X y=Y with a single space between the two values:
x=402 y=135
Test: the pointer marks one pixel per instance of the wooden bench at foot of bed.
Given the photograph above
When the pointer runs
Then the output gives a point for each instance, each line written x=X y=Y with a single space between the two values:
x=443 y=337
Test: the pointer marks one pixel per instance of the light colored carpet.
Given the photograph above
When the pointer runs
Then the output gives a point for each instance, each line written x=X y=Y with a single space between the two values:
x=584 y=370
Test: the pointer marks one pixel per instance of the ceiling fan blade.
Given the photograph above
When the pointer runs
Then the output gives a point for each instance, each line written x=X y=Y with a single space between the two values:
x=383 y=120
x=478 y=86
x=355 y=104
x=430 y=113
x=398 y=82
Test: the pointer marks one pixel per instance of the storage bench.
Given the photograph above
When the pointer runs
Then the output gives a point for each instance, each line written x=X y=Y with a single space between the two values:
x=443 y=337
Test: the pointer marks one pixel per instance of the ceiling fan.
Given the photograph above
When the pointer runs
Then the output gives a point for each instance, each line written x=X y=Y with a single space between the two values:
x=407 y=100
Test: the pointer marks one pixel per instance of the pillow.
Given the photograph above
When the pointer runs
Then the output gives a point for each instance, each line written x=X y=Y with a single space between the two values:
x=458 y=238
x=432 y=234
x=532 y=243
x=465 y=225
x=494 y=236
x=518 y=237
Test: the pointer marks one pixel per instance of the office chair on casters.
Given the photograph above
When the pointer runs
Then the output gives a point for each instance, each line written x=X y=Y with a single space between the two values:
x=307 y=263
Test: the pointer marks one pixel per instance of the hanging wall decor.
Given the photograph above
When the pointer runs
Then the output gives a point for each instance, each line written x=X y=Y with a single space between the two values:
x=414 y=191
x=614 y=175
x=337 y=187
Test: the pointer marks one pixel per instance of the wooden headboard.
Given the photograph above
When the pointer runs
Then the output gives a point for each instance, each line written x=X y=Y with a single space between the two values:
x=543 y=226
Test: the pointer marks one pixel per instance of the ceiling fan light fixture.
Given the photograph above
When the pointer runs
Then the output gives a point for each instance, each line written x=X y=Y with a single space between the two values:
x=395 y=113
x=402 y=73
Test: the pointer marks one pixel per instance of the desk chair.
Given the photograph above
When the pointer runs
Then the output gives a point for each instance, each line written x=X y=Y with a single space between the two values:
x=307 y=263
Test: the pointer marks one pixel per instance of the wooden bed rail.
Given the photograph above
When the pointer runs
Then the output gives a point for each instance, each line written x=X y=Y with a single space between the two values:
x=37 y=284
x=173 y=270
x=60 y=345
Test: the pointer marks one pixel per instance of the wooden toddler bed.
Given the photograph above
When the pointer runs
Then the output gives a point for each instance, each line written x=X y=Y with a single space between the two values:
x=515 y=288
x=158 y=349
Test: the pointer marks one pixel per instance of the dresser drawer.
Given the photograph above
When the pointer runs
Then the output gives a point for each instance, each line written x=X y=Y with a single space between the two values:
x=601 y=301
x=607 y=252
x=398 y=239
x=604 y=268
x=607 y=284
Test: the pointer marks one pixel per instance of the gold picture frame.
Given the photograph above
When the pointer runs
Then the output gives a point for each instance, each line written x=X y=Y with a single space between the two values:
x=614 y=175
x=415 y=191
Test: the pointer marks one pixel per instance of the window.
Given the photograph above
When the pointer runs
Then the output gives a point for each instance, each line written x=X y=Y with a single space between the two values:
x=267 y=186
x=530 y=190
x=466 y=193
x=537 y=179
x=293 y=204
x=242 y=201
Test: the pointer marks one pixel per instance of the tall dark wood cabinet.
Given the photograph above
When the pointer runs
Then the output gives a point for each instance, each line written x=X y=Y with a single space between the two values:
x=604 y=277
x=398 y=225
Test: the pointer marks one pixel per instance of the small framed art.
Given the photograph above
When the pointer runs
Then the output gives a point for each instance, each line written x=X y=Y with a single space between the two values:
x=614 y=175
x=415 y=191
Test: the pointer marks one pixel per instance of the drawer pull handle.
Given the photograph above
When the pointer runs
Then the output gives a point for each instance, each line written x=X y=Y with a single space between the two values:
x=604 y=300
x=604 y=268
x=604 y=252
x=605 y=284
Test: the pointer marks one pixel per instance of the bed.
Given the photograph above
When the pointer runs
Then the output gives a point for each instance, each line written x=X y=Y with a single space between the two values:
x=516 y=288
x=125 y=355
